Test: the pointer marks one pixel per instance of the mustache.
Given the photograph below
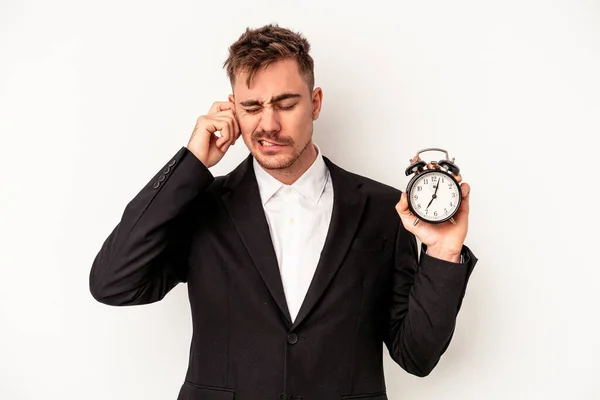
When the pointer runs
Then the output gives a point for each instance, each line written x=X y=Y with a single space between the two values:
x=272 y=137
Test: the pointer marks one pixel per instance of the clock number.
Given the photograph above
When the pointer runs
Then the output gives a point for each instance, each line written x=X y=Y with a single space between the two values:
x=435 y=213
x=416 y=197
x=426 y=181
x=433 y=178
x=450 y=204
x=453 y=195
x=443 y=181
x=419 y=188
x=445 y=211
x=449 y=186
x=419 y=206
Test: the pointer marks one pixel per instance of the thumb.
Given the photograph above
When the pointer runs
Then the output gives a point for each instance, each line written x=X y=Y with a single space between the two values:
x=466 y=195
x=402 y=206
x=465 y=190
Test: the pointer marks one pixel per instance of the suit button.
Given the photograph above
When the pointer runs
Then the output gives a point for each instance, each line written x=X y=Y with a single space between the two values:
x=172 y=163
x=156 y=185
x=167 y=170
x=161 y=178
x=292 y=338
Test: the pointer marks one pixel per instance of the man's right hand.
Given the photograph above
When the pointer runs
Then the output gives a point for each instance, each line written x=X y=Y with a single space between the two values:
x=204 y=143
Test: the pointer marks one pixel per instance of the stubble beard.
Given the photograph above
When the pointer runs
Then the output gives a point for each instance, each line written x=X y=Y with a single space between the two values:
x=286 y=165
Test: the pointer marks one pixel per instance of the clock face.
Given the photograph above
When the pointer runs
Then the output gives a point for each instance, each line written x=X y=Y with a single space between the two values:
x=434 y=196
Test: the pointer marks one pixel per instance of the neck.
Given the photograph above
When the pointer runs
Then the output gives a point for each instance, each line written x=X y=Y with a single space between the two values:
x=291 y=174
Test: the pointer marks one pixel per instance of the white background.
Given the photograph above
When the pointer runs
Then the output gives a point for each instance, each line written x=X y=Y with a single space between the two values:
x=96 y=96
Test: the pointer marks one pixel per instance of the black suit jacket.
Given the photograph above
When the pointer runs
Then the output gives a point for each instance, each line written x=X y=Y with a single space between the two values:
x=370 y=287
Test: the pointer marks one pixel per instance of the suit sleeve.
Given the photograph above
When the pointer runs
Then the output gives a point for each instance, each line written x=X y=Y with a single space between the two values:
x=146 y=254
x=426 y=297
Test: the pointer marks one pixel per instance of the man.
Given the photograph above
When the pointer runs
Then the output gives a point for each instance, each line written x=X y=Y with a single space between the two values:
x=297 y=270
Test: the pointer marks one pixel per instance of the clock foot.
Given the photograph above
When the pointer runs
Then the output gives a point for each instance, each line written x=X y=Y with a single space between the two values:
x=453 y=221
x=416 y=221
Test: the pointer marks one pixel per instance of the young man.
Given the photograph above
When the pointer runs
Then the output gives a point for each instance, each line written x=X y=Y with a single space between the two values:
x=297 y=270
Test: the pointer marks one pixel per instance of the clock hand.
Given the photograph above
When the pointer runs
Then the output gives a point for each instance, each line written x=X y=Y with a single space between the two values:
x=434 y=195
x=431 y=201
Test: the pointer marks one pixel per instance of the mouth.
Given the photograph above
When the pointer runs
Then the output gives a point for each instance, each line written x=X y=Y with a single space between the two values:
x=269 y=145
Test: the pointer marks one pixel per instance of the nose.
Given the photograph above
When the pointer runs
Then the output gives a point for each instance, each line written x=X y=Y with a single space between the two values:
x=269 y=120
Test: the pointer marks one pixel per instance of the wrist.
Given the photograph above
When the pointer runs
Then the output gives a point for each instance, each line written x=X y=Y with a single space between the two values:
x=444 y=254
x=201 y=159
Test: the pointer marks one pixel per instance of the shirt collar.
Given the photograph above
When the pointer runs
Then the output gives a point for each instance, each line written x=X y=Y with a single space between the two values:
x=311 y=184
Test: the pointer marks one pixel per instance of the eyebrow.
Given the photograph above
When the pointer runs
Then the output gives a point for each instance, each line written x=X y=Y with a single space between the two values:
x=281 y=97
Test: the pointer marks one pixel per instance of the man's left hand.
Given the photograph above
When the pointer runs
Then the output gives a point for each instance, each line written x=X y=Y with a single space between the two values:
x=445 y=240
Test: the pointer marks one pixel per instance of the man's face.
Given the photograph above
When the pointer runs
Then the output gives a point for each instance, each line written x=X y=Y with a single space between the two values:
x=276 y=114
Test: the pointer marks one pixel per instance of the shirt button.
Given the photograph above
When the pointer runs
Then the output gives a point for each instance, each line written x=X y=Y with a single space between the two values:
x=292 y=338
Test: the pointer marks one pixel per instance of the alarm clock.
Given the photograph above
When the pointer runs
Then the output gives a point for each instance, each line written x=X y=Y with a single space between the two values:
x=433 y=195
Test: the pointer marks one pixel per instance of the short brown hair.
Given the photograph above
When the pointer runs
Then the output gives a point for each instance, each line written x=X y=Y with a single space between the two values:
x=258 y=48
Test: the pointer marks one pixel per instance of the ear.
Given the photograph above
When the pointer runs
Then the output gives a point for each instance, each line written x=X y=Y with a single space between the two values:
x=317 y=101
x=231 y=99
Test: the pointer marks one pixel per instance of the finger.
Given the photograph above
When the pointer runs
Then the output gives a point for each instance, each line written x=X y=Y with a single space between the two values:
x=231 y=130
x=402 y=205
x=236 y=126
x=230 y=115
x=433 y=166
x=458 y=177
x=406 y=216
x=226 y=138
x=466 y=194
x=218 y=125
x=466 y=190
x=219 y=106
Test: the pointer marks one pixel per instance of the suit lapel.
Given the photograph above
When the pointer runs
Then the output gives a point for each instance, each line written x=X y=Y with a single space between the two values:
x=348 y=205
x=245 y=207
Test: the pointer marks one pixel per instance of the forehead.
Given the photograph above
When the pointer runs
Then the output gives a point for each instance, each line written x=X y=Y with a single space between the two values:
x=280 y=77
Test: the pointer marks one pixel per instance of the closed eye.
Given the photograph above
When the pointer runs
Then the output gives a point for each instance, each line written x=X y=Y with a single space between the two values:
x=283 y=108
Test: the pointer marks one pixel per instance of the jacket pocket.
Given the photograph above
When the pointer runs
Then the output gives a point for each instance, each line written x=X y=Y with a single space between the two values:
x=191 y=391
x=367 y=396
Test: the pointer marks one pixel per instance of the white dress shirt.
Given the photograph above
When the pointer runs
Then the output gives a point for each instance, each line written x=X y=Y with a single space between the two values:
x=298 y=216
